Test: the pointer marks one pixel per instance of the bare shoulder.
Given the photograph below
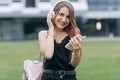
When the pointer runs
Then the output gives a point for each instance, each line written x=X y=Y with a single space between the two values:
x=42 y=33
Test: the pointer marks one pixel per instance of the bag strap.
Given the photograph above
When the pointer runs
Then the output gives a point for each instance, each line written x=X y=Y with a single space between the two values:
x=40 y=58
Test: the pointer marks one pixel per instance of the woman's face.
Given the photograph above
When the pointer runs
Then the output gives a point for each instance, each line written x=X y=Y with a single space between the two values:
x=62 y=19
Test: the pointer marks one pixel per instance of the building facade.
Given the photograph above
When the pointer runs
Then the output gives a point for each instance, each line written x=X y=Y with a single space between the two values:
x=23 y=19
x=107 y=12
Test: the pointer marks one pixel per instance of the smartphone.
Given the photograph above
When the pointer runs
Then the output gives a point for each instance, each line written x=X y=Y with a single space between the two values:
x=68 y=46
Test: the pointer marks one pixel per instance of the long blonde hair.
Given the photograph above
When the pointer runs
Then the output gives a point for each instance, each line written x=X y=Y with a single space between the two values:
x=72 y=28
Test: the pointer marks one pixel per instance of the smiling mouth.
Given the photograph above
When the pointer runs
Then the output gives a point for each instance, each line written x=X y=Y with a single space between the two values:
x=61 y=23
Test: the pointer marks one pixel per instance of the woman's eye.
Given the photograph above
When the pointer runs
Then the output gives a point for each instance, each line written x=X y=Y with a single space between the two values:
x=68 y=17
x=61 y=14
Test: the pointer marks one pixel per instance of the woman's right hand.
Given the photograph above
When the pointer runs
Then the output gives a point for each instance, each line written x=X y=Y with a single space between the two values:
x=50 y=16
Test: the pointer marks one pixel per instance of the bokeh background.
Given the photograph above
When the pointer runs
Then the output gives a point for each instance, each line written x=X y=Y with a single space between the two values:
x=99 y=20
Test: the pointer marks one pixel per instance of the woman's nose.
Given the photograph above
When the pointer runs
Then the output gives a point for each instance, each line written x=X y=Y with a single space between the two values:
x=64 y=19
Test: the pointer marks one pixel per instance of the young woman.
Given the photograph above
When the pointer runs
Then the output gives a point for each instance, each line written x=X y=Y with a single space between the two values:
x=60 y=62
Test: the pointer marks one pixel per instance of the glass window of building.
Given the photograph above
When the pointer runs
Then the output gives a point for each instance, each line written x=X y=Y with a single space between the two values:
x=30 y=3
x=111 y=4
x=44 y=0
x=16 y=0
x=92 y=4
x=118 y=4
x=104 y=4
x=4 y=2
x=74 y=0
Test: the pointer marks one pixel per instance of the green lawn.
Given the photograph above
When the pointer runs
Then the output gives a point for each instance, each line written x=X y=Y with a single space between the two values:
x=100 y=60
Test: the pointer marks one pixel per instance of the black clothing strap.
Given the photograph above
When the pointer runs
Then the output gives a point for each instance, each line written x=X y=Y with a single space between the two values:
x=61 y=73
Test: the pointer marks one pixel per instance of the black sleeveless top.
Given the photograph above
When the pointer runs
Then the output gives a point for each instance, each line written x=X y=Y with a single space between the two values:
x=61 y=57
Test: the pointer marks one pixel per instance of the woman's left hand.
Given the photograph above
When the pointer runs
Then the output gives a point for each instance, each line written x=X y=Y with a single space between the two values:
x=76 y=42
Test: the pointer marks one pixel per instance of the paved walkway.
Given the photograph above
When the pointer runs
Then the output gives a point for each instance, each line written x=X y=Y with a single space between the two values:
x=102 y=39
x=86 y=39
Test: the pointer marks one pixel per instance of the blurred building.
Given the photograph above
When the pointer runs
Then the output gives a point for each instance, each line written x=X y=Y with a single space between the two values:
x=107 y=13
x=23 y=19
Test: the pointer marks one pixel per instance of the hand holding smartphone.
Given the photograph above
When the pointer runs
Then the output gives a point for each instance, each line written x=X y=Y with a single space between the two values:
x=68 y=45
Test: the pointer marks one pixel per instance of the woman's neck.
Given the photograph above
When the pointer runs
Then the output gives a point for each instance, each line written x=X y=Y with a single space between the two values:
x=58 y=31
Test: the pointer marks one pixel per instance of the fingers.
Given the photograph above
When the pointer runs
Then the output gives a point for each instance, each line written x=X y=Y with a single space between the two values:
x=80 y=36
x=83 y=37
x=76 y=41
x=50 y=15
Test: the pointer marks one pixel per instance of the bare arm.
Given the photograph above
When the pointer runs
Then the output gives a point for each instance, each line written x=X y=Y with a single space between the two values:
x=76 y=43
x=46 y=39
x=76 y=57
x=46 y=43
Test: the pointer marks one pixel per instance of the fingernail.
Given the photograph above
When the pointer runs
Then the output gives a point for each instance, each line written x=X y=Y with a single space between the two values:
x=84 y=37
